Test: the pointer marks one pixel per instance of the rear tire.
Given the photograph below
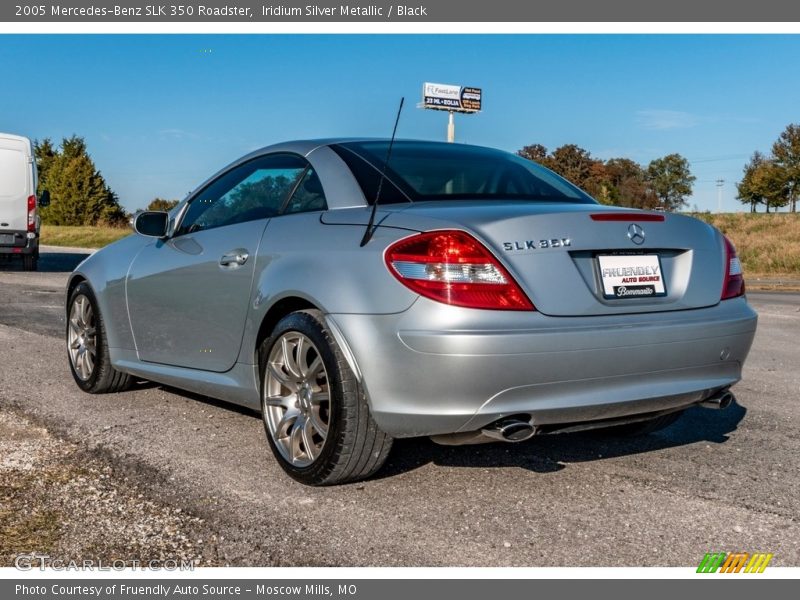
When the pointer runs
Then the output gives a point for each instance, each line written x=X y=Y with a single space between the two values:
x=87 y=346
x=30 y=262
x=643 y=427
x=315 y=411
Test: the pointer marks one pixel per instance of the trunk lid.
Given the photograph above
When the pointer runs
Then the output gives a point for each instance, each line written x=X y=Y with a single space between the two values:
x=553 y=250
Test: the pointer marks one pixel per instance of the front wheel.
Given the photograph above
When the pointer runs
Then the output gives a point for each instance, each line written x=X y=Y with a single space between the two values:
x=315 y=412
x=87 y=346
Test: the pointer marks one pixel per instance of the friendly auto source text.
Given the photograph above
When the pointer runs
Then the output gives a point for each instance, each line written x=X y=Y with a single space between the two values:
x=166 y=591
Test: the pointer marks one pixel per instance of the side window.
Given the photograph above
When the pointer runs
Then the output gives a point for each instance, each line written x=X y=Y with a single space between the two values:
x=255 y=190
x=308 y=196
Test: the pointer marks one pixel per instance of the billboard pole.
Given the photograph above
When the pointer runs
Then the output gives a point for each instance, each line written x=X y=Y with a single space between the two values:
x=453 y=99
x=451 y=128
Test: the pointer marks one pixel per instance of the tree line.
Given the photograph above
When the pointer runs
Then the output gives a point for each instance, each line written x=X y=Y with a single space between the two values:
x=79 y=194
x=665 y=183
x=773 y=180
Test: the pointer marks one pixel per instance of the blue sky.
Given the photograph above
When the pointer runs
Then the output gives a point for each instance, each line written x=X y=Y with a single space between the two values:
x=160 y=113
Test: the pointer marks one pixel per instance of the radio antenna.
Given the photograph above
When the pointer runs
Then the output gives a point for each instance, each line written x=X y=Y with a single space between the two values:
x=371 y=223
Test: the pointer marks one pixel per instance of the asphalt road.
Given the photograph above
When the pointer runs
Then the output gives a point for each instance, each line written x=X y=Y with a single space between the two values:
x=713 y=481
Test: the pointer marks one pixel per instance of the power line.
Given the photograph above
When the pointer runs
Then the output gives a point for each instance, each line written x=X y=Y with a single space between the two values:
x=718 y=158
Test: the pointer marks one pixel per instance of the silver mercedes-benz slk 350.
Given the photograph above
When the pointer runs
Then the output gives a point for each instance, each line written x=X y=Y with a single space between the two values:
x=484 y=298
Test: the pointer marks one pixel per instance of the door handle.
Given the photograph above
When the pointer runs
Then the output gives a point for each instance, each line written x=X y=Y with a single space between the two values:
x=235 y=257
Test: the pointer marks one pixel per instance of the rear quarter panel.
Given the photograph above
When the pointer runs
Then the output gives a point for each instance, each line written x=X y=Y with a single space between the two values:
x=325 y=265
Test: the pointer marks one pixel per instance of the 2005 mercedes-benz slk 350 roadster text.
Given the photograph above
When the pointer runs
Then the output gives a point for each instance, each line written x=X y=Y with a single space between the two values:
x=484 y=298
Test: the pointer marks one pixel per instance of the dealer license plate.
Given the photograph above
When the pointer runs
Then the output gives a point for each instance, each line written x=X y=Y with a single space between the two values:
x=631 y=276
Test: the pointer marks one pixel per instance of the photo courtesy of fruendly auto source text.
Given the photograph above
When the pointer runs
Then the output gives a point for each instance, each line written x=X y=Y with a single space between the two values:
x=372 y=300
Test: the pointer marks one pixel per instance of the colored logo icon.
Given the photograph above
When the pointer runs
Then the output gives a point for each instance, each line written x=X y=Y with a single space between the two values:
x=734 y=562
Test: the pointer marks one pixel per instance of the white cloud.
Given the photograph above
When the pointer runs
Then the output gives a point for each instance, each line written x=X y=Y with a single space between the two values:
x=666 y=119
x=177 y=134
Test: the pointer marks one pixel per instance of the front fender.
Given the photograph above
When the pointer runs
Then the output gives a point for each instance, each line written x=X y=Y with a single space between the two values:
x=105 y=272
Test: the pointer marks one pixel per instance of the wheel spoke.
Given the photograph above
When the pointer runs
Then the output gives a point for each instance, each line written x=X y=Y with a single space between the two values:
x=288 y=419
x=308 y=439
x=314 y=368
x=280 y=401
x=84 y=308
x=87 y=356
x=316 y=421
x=77 y=312
x=89 y=345
x=288 y=359
x=277 y=372
x=84 y=364
x=318 y=398
x=73 y=324
x=296 y=438
x=299 y=352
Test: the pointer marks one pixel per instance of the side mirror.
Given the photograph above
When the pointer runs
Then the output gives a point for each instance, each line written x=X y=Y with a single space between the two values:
x=152 y=223
x=44 y=199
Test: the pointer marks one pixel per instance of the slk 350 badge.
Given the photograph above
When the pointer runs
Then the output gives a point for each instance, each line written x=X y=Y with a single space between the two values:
x=534 y=244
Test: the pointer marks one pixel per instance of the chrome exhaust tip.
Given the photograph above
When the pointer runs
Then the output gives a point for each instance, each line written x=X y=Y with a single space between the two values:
x=719 y=401
x=510 y=430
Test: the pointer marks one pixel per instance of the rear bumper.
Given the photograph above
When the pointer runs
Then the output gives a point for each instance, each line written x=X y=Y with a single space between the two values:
x=17 y=242
x=436 y=369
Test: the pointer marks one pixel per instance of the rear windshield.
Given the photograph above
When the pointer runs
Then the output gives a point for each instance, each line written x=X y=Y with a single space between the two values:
x=420 y=171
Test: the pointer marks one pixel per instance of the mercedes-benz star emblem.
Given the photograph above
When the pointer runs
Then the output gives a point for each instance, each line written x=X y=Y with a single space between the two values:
x=636 y=234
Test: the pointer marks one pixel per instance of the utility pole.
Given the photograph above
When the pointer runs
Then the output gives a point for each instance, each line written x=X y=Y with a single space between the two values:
x=720 y=183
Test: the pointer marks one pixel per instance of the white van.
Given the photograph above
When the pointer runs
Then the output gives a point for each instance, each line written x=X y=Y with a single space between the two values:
x=19 y=218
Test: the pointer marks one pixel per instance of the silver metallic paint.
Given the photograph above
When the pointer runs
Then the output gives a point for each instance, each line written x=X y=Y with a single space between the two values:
x=429 y=368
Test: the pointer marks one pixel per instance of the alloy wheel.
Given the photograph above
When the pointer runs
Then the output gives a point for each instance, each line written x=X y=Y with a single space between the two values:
x=296 y=399
x=82 y=337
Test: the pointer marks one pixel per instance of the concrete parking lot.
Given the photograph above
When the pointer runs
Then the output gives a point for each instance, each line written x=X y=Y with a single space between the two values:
x=714 y=481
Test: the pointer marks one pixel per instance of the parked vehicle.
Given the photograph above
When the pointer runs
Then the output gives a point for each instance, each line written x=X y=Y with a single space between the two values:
x=19 y=218
x=450 y=291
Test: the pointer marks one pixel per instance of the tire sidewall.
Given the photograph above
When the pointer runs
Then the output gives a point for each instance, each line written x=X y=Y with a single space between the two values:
x=306 y=323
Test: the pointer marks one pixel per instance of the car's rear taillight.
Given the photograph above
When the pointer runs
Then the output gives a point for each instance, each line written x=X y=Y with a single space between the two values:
x=453 y=267
x=31 y=213
x=733 y=285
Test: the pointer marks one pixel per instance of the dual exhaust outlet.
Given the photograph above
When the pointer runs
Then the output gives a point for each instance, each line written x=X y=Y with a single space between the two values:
x=518 y=429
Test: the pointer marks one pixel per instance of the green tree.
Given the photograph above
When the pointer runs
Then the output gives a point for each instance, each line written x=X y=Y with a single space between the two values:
x=45 y=154
x=629 y=185
x=748 y=190
x=769 y=181
x=573 y=163
x=671 y=180
x=786 y=153
x=79 y=194
x=162 y=204
x=536 y=153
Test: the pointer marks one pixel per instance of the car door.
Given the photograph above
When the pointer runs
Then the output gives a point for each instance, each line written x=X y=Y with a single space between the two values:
x=188 y=295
